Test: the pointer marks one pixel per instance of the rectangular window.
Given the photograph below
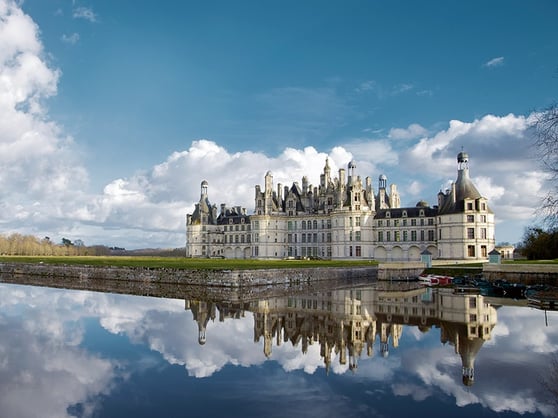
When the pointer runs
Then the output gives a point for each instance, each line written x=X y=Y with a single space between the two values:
x=471 y=233
x=422 y=235
x=431 y=235
x=380 y=223
x=471 y=250
x=357 y=235
x=357 y=221
x=380 y=236
x=470 y=218
x=397 y=235
x=430 y=221
x=473 y=303
x=405 y=236
x=388 y=236
x=484 y=252
x=413 y=235
x=413 y=222
x=358 y=251
x=483 y=233
x=469 y=205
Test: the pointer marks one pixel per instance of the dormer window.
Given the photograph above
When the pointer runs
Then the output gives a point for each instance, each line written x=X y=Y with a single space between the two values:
x=404 y=214
x=421 y=212
x=388 y=214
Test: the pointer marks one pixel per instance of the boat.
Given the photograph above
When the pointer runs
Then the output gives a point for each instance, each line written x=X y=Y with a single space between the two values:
x=434 y=280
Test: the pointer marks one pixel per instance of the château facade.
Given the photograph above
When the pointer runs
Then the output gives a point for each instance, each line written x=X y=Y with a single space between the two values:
x=345 y=218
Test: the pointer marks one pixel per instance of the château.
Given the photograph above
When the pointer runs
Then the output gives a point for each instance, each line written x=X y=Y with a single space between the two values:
x=345 y=218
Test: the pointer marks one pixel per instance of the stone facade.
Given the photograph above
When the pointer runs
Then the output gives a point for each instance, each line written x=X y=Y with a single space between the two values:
x=344 y=218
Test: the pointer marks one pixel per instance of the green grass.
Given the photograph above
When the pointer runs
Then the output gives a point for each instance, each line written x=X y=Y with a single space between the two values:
x=182 y=263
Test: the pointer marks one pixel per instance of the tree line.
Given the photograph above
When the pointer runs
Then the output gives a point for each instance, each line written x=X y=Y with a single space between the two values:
x=18 y=244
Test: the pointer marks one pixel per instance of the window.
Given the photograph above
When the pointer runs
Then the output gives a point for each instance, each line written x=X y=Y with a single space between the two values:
x=357 y=221
x=357 y=235
x=350 y=235
x=471 y=233
x=315 y=224
x=471 y=250
x=483 y=218
x=469 y=205
x=405 y=236
x=404 y=222
x=388 y=214
x=484 y=252
x=388 y=236
x=470 y=218
x=380 y=236
x=404 y=214
x=397 y=235
x=396 y=222
x=303 y=224
x=472 y=303
x=358 y=251
x=413 y=222
x=430 y=221
x=413 y=235
x=380 y=223
x=431 y=235
x=483 y=233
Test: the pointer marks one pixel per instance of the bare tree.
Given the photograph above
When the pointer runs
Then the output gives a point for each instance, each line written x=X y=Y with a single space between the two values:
x=546 y=146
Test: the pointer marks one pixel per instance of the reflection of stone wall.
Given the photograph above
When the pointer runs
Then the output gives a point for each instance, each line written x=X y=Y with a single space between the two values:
x=230 y=278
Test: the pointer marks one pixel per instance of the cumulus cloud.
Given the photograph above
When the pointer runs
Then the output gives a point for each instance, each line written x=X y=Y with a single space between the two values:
x=414 y=130
x=494 y=62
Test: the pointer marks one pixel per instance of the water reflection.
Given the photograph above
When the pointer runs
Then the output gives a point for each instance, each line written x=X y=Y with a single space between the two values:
x=383 y=350
x=348 y=322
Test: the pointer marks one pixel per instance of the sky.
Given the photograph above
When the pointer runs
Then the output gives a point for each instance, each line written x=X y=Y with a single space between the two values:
x=113 y=113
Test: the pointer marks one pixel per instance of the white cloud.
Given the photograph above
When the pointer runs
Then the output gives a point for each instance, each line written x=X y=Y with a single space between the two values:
x=71 y=39
x=85 y=13
x=413 y=131
x=494 y=62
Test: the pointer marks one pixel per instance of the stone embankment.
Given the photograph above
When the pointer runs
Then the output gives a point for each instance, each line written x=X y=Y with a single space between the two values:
x=214 y=285
x=222 y=278
x=522 y=273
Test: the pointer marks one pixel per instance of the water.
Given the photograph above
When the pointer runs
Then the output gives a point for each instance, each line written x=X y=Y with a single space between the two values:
x=354 y=352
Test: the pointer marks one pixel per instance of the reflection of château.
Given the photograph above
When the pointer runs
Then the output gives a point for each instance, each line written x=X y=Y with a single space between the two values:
x=347 y=322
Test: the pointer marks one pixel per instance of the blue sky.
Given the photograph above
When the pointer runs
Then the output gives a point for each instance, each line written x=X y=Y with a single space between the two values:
x=114 y=112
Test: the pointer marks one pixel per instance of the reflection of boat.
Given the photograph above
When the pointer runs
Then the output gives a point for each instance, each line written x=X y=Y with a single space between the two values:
x=434 y=280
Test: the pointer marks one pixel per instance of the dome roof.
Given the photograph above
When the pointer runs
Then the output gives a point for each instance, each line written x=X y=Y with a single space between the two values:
x=382 y=177
x=204 y=183
x=422 y=204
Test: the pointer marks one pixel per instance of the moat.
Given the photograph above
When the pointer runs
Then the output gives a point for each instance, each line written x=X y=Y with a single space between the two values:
x=352 y=348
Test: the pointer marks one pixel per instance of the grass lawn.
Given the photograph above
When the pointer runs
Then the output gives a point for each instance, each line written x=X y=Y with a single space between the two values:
x=182 y=263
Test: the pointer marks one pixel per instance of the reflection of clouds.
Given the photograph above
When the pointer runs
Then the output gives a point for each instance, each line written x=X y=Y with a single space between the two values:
x=508 y=368
x=527 y=330
x=42 y=370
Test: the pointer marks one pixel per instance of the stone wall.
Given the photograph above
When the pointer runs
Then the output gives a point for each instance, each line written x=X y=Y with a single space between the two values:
x=219 y=278
x=524 y=273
